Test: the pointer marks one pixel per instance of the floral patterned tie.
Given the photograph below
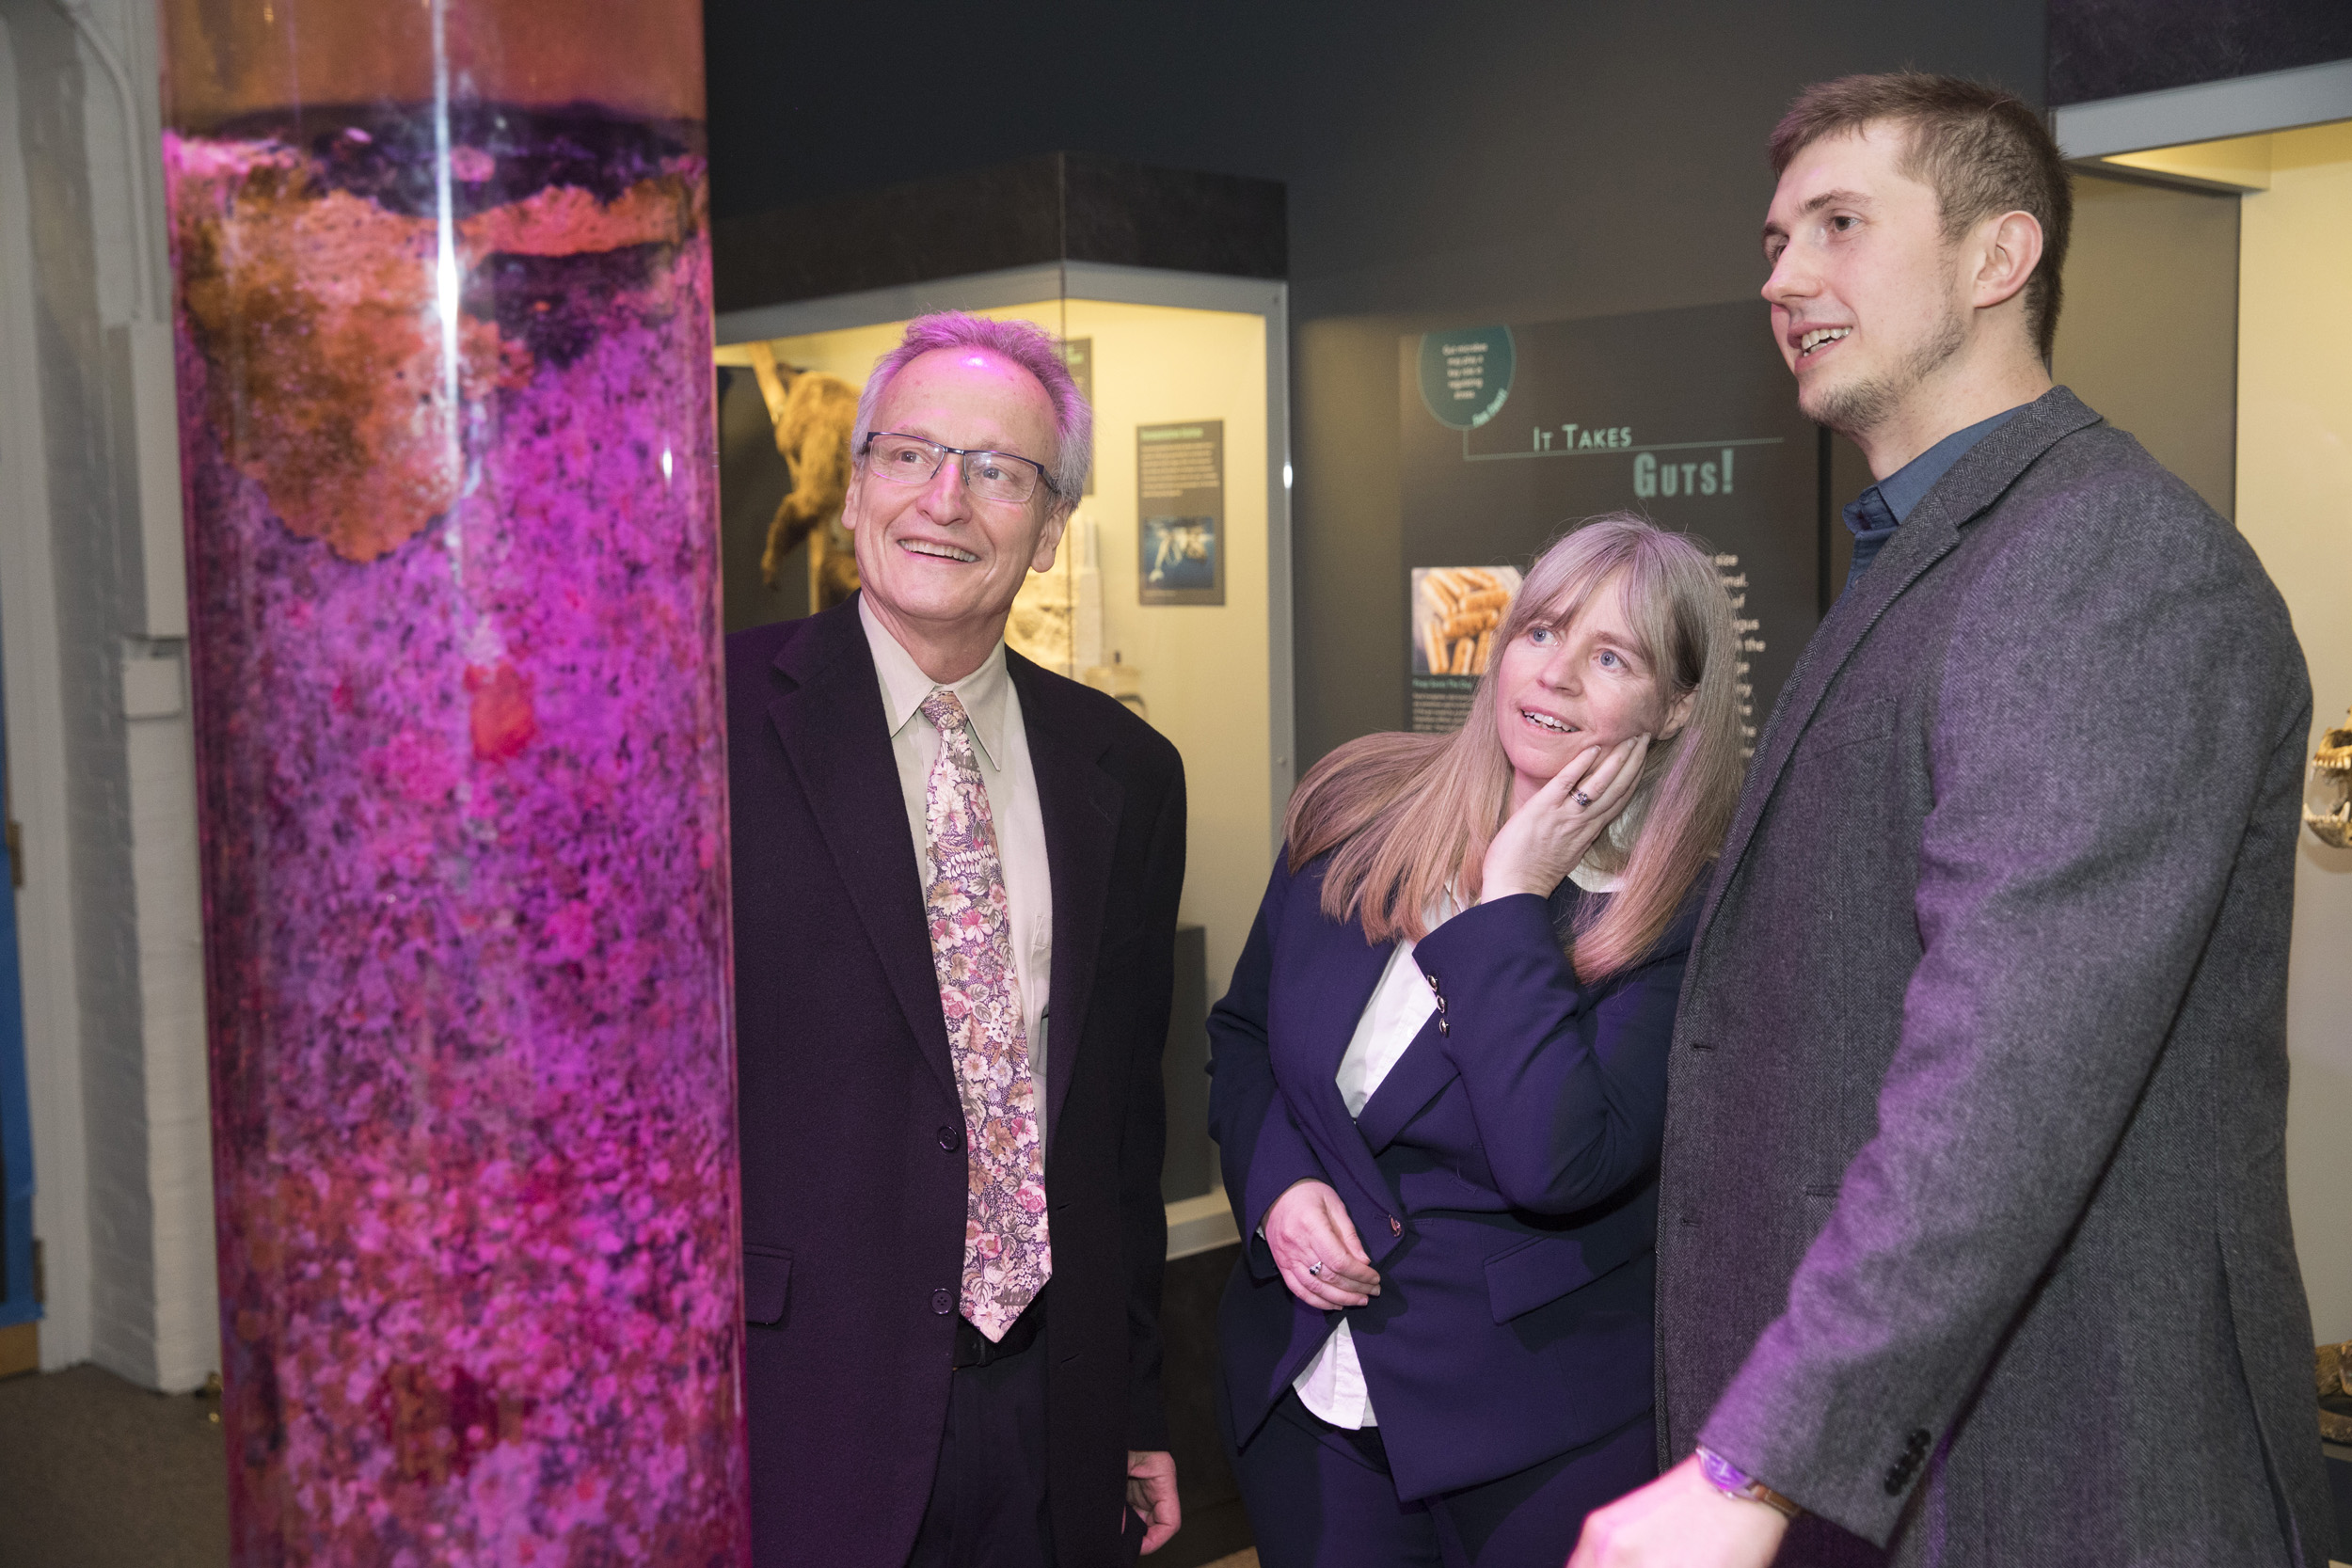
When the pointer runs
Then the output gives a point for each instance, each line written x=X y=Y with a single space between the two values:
x=1005 y=1256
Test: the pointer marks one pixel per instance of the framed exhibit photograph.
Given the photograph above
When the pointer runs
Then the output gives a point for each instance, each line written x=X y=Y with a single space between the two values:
x=1457 y=612
x=1179 y=561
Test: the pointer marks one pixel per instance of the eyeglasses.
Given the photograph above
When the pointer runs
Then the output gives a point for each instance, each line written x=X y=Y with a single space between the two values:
x=993 y=476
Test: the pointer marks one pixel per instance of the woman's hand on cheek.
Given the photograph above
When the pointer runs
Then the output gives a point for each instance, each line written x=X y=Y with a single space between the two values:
x=1544 y=838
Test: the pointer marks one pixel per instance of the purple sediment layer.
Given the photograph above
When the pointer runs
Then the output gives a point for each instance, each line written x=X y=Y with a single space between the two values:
x=461 y=762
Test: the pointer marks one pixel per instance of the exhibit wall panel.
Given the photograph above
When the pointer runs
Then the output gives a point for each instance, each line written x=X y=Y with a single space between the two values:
x=1607 y=160
x=1206 y=673
x=2295 y=504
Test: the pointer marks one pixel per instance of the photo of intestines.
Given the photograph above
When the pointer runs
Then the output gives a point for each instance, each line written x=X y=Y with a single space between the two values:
x=1460 y=608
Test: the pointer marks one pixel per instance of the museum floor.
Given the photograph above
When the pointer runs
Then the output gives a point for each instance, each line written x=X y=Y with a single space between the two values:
x=95 y=1473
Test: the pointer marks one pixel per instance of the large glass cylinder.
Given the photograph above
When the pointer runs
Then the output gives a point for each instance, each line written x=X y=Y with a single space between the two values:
x=443 y=315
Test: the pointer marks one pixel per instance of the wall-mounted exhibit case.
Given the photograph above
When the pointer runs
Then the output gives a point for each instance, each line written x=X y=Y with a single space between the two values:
x=2224 y=210
x=1171 y=589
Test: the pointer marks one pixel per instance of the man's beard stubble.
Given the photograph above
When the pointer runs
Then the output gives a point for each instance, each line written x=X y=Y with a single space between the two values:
x=1856 y=410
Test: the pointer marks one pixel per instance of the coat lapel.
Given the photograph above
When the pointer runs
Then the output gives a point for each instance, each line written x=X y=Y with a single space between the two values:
x=1080 y=804
x=1972 y=485
x=1322 y=1017
x=832 y=730
x=1348 y=970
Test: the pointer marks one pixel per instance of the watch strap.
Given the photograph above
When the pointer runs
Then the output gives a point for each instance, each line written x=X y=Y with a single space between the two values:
x=1732 y=1482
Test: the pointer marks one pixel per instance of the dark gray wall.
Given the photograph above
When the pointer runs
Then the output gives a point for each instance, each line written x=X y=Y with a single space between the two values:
x=753 y=480
x=1504 y=161
x=2112 y=48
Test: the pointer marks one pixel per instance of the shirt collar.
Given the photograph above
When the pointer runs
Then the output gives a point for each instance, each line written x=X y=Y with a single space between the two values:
x=1908 y=485
x=983 y=692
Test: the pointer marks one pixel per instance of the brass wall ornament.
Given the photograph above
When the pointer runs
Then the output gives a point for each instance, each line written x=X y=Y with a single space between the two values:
x=2327 y=788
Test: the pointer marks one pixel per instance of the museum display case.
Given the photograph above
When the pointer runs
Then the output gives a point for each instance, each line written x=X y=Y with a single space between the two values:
x=1170 y=591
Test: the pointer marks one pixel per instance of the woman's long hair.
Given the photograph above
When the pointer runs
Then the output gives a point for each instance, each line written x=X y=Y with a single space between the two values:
x=1409 y=817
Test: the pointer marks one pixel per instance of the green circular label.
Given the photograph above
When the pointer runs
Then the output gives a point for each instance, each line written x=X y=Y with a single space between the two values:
x=1466 y=374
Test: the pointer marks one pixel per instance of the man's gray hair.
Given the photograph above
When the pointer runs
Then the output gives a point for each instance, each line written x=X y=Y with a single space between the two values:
x=1033 y=349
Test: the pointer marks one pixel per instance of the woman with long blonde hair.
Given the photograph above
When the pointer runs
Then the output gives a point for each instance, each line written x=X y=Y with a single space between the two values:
x=1439 y=1082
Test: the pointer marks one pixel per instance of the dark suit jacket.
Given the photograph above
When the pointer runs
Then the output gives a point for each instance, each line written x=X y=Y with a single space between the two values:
x=853 y=1165
x=1502 y=1178
x=1975 y=1222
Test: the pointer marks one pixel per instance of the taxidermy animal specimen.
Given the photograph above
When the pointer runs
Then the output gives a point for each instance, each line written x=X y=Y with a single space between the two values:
x=813 y=414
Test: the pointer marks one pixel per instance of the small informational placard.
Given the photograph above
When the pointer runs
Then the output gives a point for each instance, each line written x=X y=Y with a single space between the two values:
x=1457 y=615
x=1466 y=375
x=1180 y=479
x=1078 y=354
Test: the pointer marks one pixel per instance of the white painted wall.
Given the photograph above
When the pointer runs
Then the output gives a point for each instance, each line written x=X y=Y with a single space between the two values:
x=100 y=743
x=30 y=650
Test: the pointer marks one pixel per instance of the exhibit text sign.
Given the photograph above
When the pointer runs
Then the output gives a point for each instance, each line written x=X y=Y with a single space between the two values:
x=1511 y=435
x=1180 y=511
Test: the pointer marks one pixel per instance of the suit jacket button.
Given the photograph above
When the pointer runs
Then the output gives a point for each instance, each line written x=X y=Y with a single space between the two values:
x=1442 y=1028
x=1396 y=1227
x=1894 y=1479
x=942 y=1302
x=951 y=1138
x=1917 y=1444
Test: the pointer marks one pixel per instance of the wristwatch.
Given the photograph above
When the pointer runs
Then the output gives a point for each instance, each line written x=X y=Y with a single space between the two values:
x=1732 y=1482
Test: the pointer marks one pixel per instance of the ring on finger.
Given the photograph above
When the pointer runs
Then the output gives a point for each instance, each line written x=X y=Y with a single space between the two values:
x=1583 y=798
x=1314 y=1269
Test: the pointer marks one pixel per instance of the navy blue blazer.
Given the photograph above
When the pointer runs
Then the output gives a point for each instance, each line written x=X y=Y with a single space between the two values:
x=1503 y=1178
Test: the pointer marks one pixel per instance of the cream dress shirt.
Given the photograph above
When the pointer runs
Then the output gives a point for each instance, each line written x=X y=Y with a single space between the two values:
x=1002 y=748
x=1332 y=1384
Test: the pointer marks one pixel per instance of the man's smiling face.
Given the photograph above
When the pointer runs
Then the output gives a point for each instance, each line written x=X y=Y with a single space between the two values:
x=932 y=554
x=1867 y=293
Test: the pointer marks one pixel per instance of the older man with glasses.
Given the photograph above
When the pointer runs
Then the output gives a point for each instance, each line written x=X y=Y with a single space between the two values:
x=942 y=857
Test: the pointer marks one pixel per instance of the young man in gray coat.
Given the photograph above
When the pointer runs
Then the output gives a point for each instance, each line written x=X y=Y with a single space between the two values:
x=1974 y=1243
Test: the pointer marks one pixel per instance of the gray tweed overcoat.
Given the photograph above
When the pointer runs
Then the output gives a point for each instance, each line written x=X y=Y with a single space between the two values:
x=1973 y=1233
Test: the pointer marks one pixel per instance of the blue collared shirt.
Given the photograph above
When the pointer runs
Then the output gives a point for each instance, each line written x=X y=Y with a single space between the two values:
x=1875 y=514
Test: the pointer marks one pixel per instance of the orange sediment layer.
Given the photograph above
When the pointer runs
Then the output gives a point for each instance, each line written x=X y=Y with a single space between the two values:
x=318 y=315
